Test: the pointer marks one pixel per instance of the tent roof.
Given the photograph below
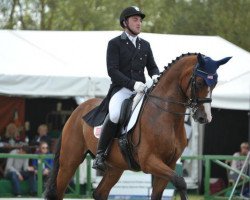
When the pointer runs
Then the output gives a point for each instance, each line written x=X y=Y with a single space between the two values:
x=234 y=94
x=73 y=63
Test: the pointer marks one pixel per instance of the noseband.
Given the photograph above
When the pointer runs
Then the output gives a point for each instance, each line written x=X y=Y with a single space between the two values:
x=193 y=102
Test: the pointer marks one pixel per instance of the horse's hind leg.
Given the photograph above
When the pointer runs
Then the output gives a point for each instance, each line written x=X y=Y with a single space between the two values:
x=159 y=185
x=72 y=154
x=65 y=173
x=110 y=178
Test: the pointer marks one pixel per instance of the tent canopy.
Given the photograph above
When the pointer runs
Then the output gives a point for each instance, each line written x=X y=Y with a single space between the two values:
x=67 y=63
x=234 y=94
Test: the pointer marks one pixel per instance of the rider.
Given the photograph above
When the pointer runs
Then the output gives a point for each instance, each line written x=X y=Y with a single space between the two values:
x=127 y=56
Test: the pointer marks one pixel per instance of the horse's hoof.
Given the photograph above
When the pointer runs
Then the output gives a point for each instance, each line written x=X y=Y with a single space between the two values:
x=183 y=195
x=99 y=166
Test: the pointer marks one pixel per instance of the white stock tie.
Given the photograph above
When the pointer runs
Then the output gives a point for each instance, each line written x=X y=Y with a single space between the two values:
x=134 y=41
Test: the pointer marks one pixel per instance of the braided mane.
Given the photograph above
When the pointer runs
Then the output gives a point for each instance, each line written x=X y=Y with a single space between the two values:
x=174 y=61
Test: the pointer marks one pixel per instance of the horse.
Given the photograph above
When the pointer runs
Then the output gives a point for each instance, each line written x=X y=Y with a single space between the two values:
x=159 y=136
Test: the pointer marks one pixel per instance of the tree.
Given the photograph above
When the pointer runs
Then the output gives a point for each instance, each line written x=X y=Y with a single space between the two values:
x=228 y=19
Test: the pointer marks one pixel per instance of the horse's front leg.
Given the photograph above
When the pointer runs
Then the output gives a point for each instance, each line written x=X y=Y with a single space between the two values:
x=159 y=169
x=159 y=185
x=110 y=178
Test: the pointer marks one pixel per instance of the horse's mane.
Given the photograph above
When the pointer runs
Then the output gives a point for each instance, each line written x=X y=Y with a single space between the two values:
x=174 y=61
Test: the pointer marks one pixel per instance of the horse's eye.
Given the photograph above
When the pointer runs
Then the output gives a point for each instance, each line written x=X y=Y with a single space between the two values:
x=200 y=84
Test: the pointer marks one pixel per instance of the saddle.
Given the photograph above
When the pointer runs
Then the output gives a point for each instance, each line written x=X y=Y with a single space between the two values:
x=125 y=114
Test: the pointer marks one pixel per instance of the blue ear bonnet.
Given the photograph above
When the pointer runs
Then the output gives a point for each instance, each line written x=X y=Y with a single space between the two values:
x=207 y=69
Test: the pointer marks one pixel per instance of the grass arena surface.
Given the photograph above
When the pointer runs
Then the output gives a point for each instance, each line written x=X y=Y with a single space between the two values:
x=27 y=198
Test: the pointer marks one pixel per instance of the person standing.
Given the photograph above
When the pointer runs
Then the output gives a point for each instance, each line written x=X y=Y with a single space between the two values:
x=127 y=57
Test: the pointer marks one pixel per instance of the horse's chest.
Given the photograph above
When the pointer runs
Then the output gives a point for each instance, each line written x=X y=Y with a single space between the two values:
x=168 y=147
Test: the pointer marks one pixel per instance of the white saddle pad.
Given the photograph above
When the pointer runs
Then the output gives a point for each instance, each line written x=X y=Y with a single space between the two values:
x=135 y=113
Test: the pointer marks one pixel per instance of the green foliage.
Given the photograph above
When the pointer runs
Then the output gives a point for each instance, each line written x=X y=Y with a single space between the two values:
x=229 y=19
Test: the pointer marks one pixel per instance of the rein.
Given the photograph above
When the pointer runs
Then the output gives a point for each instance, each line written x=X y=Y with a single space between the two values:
x=192 y=102
x=167 y=101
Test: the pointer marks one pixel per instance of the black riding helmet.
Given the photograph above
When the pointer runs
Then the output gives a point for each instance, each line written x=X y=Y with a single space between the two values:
x=128 y=12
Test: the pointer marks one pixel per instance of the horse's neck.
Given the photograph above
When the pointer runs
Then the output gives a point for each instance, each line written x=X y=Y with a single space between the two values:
x=168 y=86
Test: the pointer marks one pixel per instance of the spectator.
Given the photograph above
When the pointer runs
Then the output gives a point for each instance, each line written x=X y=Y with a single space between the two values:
x=42 y=135
x=48 y=162
x=12 y=135
x=238 y=164
x=18 y=169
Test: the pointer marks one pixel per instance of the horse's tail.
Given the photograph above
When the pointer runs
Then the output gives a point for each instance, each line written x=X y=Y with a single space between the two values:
x=50 y=190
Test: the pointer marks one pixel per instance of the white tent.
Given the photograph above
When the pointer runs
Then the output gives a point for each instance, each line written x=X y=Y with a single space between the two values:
x=234 y=94
x=37 y=63
x=66 y=63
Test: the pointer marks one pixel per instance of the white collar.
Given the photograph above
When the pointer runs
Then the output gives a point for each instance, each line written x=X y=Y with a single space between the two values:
x=132 y=38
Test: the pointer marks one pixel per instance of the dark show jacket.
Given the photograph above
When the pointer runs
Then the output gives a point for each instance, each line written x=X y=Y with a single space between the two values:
x=125 y=64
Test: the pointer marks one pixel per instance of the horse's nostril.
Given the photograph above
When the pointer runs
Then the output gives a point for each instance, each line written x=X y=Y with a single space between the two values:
x=202 y=120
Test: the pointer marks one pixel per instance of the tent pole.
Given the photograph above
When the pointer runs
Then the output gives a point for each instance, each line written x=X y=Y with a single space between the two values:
x=249 y=118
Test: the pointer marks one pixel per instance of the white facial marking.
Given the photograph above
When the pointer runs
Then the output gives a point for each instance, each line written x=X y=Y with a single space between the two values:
x=207 y=106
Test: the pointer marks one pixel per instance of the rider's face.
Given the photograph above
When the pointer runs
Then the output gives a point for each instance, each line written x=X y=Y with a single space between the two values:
x=134 y=23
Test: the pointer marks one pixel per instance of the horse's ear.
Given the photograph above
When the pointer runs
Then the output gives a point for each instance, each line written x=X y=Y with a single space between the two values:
x=200 y=59
x=223 y=61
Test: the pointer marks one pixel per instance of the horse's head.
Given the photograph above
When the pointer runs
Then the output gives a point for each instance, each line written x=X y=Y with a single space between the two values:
x=203 y=80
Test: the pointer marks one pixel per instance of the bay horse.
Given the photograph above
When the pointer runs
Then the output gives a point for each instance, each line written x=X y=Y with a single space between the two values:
x=159 y=132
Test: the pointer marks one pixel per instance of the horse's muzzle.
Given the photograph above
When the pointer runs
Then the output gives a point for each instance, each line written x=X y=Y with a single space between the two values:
x=201 y=117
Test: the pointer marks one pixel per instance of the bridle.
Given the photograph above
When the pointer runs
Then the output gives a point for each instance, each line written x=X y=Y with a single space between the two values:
x=193 y=102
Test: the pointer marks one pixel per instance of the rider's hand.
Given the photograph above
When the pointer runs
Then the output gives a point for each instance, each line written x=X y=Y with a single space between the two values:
x=139 y=87
x=155 y=78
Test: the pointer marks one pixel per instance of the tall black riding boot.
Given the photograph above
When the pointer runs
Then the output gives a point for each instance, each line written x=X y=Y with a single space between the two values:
x=107 y=134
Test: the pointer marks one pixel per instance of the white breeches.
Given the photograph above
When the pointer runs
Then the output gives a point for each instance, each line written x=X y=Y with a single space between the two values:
x=116 y=103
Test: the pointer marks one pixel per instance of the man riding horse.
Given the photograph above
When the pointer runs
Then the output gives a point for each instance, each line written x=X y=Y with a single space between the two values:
x=127 y=56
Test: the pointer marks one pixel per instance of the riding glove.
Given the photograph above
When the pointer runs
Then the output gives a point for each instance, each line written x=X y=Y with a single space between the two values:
x=155 y=78
x=139 y=87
